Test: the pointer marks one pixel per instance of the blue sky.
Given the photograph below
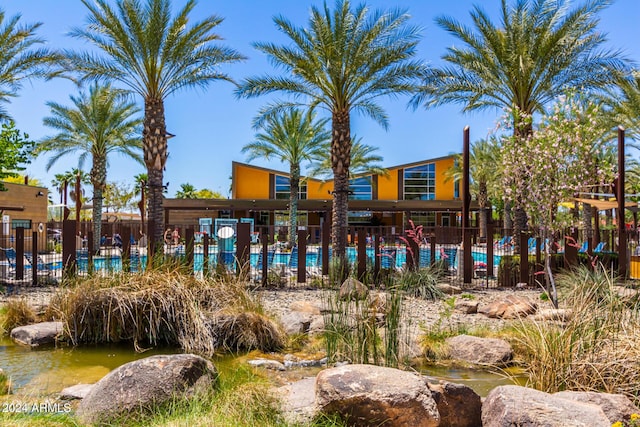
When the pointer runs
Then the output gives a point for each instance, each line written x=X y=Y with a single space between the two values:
x=212 y=126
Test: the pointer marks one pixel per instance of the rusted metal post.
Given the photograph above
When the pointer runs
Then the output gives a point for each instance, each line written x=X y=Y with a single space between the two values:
x=69 y=246
x=243 y=247
x=326 y=238
x=362 y=253
x=189 y=248
x=302 y=256
x=125 y=233
x=205 y=254
x=490 y=231
x=524 y=258
x=622 y=231
x=34 y=258
x=467 y=260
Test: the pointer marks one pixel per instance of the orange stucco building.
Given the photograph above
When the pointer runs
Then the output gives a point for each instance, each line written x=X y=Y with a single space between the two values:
x=418 y=191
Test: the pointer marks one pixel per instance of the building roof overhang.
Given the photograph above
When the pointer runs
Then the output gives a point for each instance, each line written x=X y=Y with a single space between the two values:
x=315 y=205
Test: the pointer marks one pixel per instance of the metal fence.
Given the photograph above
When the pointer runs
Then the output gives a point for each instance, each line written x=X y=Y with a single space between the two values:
x=477 y=257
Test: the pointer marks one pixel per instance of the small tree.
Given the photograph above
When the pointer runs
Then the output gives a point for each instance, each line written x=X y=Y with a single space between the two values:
x=552 y=164
x=15 y=148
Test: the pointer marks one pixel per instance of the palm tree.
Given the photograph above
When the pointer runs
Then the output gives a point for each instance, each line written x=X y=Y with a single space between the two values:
x=342 y=62
x=20 y=58
x=100 y=123
x=187 y=191
x=291 y=137
x=625 y=104
x=141 y=181
x=539 y=50
x=363 y=161
x=483 y=168
x=154 y=55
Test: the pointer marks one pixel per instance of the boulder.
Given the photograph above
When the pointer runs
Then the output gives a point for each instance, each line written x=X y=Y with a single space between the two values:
x=512 y=405
x=37 y=334
x=310 y=307
x=485 y=351
x=140 y=385
x=298 y=401
x=467 y=306
x=448 y=289
x=616 y=407
x=78 y=391
x=369 y=395
x=458 y=405
x=296 y=322
x=509 y=307
x=351 y=289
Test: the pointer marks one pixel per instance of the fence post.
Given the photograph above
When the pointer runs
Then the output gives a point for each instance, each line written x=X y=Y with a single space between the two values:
x=265 y=256
x=326 y=238
x=189 y=246
x=205 y=254
x=69 y=247
x=376 y=254
x=125 y=233
x=362 y=253
x=302 y=256
x=467 y=259
x=243 y=247
x=570 y=249
x=19 y=253
x=34 y=258
x=489 y=240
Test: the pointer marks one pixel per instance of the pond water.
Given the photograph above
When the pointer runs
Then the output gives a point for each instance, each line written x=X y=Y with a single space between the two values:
x=49 y=370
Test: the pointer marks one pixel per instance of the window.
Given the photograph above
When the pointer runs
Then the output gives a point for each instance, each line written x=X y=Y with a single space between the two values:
x=283 y=188
x=281 y=218
x=456 y=183
x=360 y=189
x=24 y=223
x=359 y=217
x=426 y=219
x=420 y=182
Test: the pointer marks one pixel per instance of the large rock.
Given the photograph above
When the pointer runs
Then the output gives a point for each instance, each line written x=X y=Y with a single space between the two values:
x=458 y=405
x=37 y=334
x=296 y=322
x=138 y=386
x=78 y=391
x=298 y=401
x=372 y=395
x=310 y=307
x=511 y=405
x=509 y=307
x=616 y=407
x=352 y=288
x=484 y=351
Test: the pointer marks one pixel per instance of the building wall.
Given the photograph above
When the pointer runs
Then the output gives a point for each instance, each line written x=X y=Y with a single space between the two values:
x=25 y=196
x=444 y=189
x=319 y=190
x=250 y=183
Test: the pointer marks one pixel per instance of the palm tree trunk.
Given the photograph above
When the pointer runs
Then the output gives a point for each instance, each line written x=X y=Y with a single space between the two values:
x=154 y=142
x=340 y=162
x=99 y=178
x=294 y=187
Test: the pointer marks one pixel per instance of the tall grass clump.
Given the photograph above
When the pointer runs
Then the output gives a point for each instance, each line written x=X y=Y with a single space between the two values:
x=421 y=283
x=596 y=349
x=17 y=312
x=363 y=330
x=165 y=306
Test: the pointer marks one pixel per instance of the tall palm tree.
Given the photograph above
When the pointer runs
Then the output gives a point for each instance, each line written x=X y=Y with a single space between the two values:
x=483 y=168
x=363 y=161
x=343 y=61
x=291 y=137
x=539 y=49
x=625 y=103
x=145 y=49
x=20 y=57
x=100 y=123
x=187 y=191
x=141 y=181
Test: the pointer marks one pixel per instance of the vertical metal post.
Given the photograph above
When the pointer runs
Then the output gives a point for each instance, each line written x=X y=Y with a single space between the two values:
x=467 y=260
x=524 y=258
x=69 y=246
x=125 y=233
x=362 y=253
x=265 y=256
x=19 y=253
x=243 y=246
x=34 y=258
x=205 y=254
x=302 y=256
x=622 y=232
x=189 y=248
x=326 y=238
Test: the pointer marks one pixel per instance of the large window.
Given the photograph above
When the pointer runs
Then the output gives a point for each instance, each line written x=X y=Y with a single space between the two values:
x=425 y=219
x=283 y=188
x=360 y=189
x=281 y=218
x=359 y=217
x=420 y=182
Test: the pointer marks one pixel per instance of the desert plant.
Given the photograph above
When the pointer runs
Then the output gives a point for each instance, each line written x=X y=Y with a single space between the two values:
x=419 y=283
x=18 y=312
x=165 y=306
x=595 y=349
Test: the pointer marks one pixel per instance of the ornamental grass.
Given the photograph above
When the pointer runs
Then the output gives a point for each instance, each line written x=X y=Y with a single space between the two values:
x=596 y=349
x=165 y=306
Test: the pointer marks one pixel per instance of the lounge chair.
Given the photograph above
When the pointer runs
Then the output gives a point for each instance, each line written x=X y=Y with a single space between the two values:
x=584 y=248
x=599 y=247
x=388 y=258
